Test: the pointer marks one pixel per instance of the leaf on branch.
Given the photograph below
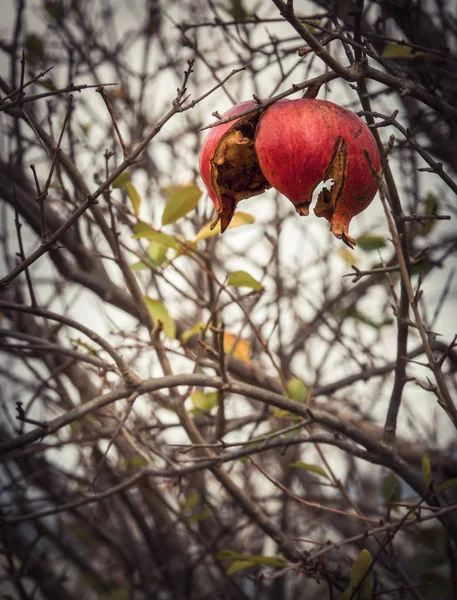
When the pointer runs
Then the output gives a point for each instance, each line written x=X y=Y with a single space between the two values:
x=297 y=390
x=159 y=313
x=204 y=402
x=307 y=467
x=368 y=243
x=426 y=470
x=237 y=347
x=143 y=230
x=243 y=279
x=239 y=219
x=190 y=333
x=157 y=252
x=391 y=488
x=402 y=51
x=243 y=561
x=138 y=266
x=358 y=573
x=431 y=208
x=121 y=593
x=445 y=485
x=235 y=9
x=121 y=180
x=182 y=200
x=190 y=501
x=357 y=315
x=134 y=197
x=347 y=256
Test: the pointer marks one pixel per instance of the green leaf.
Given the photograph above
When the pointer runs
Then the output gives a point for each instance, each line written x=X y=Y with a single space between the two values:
x=48 y=84
x=401 y=51
x=368 y=243
x=358 y=572
x=134 y=196
x=391 y=488
x=136 y=462
x=445 y=485
x=243 y=279
x=34 y=48
x=204 y=402
x=204 y=514
x=92 y=350
x=356 y=314
x=143 y=230
x=426 y=470
x=120 y=593
x=158 y=313
x=55 y=10
x=182 y=200
x=138 y=266
x=307 y=467
x=431 y=207
x=190 y=502
x=297 y=390
x=242 y=562
x=121 y=180
x=157 y=252
x=238 y=565
x=226 y=553
x=189 y=333
x=238 y=220
x=236 y=10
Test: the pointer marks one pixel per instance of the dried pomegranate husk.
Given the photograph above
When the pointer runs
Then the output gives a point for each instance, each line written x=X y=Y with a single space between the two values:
x=301 y=143
x=228 y=163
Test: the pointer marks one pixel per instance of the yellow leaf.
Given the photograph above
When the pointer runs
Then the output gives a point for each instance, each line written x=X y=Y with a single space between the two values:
x=238 y=220
x=134 y=196
x=189 y=333
x=237 y=347
x=347 y=256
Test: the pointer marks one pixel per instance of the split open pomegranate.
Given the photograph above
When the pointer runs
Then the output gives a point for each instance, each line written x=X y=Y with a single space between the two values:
x=228 y=163
x=293 y=145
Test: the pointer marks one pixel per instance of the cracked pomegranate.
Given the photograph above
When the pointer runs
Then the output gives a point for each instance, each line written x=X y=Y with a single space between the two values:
x=228 y=163
x=293 y=146
x=301 y=143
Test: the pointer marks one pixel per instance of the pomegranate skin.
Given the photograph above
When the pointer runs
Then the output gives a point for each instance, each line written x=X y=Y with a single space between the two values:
x=228 y=163
x=300 y=143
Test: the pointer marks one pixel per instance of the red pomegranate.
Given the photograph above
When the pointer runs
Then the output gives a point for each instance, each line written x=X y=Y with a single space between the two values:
x=301 y=143
x=293 y=145
x=228 y=163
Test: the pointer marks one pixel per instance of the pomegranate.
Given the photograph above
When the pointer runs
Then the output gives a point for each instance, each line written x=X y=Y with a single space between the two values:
x=293 y=145
x=228 y=163
x=301 y=143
